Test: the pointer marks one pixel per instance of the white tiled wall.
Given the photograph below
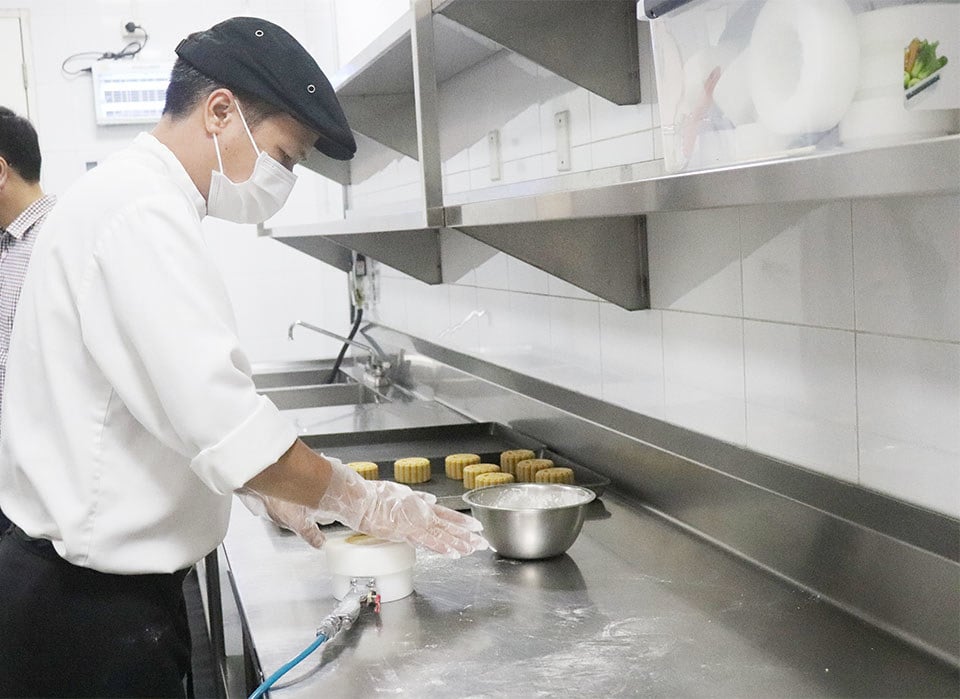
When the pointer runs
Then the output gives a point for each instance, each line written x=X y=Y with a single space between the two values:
x=906 y=274
x=825 y=334
x=801 y=395
x=909 y=409
x=756 y=336
x=797 y=263
x=703 y=374
x=695 y=261
x=631 y=359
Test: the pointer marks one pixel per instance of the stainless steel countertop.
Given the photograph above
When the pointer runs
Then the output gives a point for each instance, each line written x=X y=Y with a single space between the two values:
x=637 y=606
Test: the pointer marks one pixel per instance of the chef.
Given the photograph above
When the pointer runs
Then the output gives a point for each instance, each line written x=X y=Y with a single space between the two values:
x=130 y=417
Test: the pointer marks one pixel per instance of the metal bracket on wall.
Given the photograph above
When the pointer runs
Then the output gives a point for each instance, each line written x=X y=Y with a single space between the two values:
x=409 y=242
x=387 y=119
x=323 y=249
x=605 y=256
x=592 y=43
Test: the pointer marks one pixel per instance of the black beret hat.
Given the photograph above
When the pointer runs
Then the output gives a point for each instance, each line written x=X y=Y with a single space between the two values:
x=262 y=59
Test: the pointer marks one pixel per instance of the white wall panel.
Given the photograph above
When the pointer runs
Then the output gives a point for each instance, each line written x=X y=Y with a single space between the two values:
x=801 y=396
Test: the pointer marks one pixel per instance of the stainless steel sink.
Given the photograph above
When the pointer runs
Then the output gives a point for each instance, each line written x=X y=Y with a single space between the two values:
x=318 y=396
x=304 y=372
x=299 y=378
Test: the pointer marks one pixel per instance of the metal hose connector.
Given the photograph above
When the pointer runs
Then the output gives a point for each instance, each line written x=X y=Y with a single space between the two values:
x=362 y=592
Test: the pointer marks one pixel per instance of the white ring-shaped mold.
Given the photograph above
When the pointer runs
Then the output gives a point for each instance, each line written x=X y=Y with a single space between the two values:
x=804 y=64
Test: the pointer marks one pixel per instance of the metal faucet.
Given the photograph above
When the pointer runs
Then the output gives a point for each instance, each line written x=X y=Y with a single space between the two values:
x=376 y=370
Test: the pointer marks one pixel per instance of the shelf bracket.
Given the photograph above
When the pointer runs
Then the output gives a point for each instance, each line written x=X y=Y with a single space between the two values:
x=407 y=242
x=605 y=256
x=336 y=170
x=592 y=43
x=414 y=252
x=387 y=119
x=323 y=249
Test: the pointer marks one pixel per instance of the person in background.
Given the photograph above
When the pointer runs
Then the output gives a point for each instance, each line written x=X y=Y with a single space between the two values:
x=23 y=208
x=132 y=417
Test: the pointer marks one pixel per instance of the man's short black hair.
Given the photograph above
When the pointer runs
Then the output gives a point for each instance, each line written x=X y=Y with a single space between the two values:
x=19 y=145
x=188 y=87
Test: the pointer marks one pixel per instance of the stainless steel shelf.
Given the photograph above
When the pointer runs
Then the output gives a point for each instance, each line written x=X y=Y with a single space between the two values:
x=386 y=66
x=377 y=89
x=605 y=256
x=920 y=168
x=592 y=43
x=586 y=228
x=595 y=236
x=408 y=241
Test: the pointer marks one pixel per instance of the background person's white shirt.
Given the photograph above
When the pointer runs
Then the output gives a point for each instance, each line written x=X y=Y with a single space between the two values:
x=129 y=414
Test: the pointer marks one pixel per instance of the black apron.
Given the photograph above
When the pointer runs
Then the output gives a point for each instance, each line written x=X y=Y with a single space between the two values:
x=68 y=631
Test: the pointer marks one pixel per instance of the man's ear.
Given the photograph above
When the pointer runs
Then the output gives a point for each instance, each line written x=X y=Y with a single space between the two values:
x=4 y=172
x=218 y=109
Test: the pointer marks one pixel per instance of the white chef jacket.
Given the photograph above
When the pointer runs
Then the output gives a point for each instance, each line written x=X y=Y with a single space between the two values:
x=129 y=414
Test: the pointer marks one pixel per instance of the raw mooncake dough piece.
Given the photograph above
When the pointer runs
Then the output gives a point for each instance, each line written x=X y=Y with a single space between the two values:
x=367 y=469
x=527 y=469
x=493 y=478
x=471 y=472
x=509 y=459
x=455 y=463
x=413 y=469
x=557 y=474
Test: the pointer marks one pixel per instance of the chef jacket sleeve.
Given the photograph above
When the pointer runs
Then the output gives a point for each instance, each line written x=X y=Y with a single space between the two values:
x=157 y=320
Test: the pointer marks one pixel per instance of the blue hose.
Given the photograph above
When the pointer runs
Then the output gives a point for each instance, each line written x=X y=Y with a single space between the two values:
x=287 y=667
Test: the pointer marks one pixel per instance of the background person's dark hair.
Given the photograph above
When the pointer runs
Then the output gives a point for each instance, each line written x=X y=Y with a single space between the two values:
x=19 y=145
x=188 y=87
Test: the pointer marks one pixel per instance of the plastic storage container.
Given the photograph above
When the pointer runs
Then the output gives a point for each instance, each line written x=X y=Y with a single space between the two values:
x=741 y=80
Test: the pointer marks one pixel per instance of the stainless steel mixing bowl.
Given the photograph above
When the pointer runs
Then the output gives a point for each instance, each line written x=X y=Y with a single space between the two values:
x=530 y=520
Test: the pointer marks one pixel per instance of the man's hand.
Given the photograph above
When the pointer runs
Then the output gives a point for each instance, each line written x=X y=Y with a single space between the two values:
x=304 y=488
x=394 y=512
x=297 y=518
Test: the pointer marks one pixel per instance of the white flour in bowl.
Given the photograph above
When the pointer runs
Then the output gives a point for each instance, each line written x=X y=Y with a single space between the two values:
x=534 y=498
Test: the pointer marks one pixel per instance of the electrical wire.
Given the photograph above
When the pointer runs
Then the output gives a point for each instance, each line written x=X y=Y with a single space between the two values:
x=128 y=51
x=343 y=350
x=286 y=667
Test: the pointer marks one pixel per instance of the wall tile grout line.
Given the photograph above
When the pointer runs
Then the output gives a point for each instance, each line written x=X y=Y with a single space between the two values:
x=743 y=327
x=856 y=348
x=813 y=326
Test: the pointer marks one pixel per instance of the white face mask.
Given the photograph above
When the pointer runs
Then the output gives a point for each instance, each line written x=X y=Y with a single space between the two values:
x=255 y=199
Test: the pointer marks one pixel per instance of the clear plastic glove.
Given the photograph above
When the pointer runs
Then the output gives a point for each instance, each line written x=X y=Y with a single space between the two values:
x=394 y=512
x=297 y=518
